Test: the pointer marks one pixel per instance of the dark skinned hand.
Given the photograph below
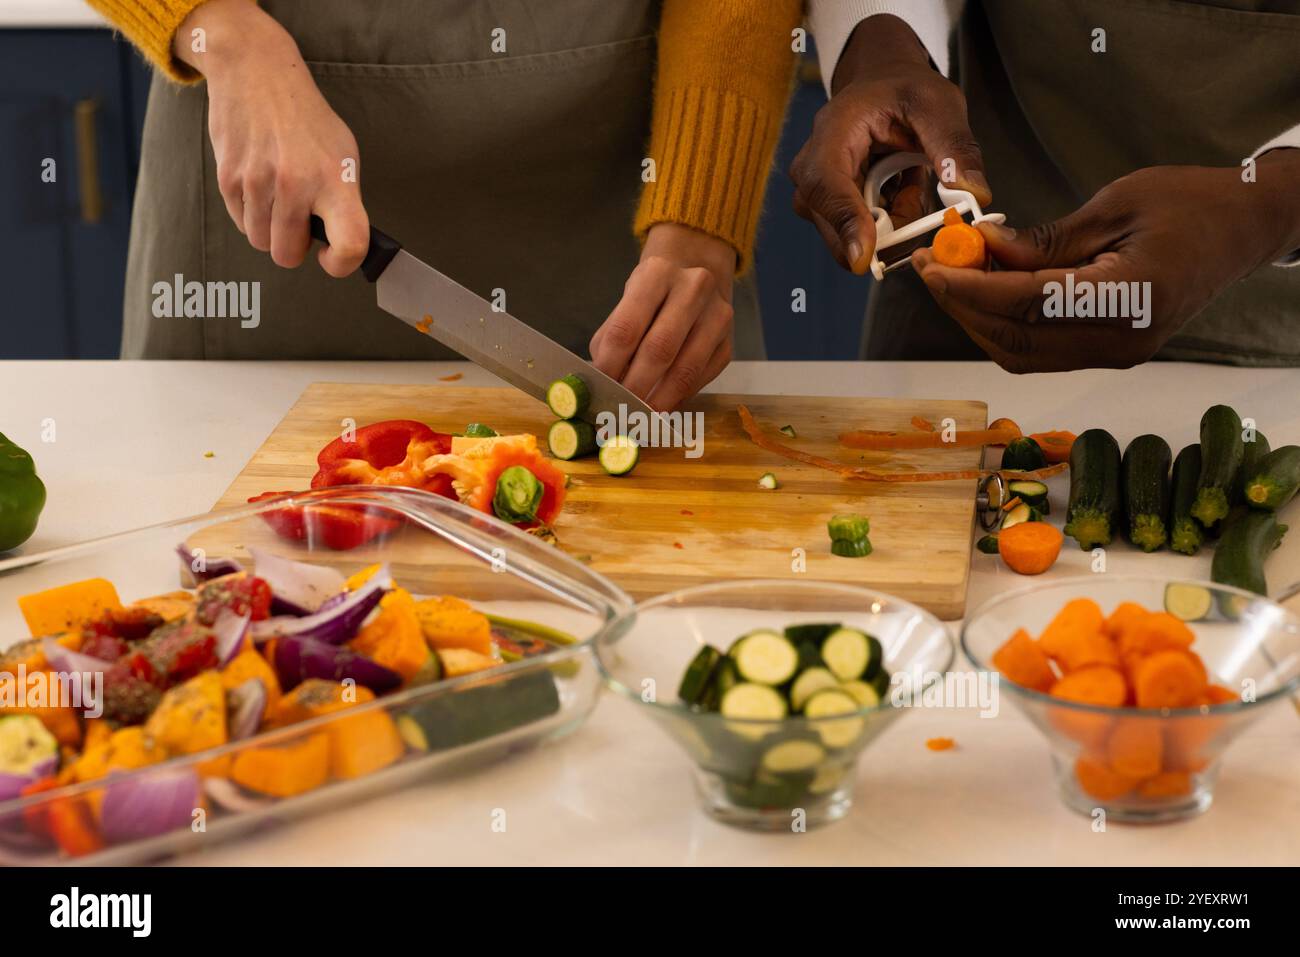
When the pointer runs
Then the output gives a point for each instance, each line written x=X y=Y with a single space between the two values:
x=1189 y=231
x=886 y=98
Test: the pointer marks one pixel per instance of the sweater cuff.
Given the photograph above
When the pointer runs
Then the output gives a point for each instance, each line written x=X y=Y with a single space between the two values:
x=150 y=25
x=694 y=126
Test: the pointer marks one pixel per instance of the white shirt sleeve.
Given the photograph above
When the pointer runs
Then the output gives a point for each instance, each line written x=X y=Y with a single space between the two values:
x=1291 y=139
x=832 y=22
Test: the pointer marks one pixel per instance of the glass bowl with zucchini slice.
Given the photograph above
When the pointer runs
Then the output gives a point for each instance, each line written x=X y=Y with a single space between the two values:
x=1139 y=684
x=774 y=688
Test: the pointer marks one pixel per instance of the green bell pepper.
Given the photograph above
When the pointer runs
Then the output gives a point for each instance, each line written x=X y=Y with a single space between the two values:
x=22 y=495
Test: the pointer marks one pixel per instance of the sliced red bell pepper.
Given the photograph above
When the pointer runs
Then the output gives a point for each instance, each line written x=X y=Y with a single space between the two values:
x=339 y=527
x=385 y=453
x=506 y=456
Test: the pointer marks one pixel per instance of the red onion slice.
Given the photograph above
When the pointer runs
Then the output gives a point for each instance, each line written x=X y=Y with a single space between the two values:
x=297 y=585
x=231 y=630
x=245 y=707
x=335 y=624
x=211 y=569
x=145 y=804
x=298 y=658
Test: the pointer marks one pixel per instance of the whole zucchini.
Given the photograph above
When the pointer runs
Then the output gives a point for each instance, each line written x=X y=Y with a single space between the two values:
x=1246 y=542
x=1221 y=453
x=1276 y=478
x=1023 y=455
x=1093 y=514
x=1144 y=476
x=1251 y=453
x=1185 y=532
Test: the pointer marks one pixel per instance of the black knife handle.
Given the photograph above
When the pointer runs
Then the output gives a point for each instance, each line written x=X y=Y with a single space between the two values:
x=381 y=252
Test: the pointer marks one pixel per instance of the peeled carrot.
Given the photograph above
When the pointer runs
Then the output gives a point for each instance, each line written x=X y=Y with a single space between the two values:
x=1022 y=661
x=1085 y=650
x=940 y=744
x=1100 y=781
x=1154 y=631
x=1167 y=784
x=1135 y=747
x=1125 y=612
x=1218 y=694
x=1167 y=679
x=1056 y=445
x=1098 y=685
x=959 y=244
x=1030 y=548
x=1080 y=616
x=1006 y=425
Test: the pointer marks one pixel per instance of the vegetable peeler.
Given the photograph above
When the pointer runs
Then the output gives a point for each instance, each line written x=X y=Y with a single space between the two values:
x=886 y=235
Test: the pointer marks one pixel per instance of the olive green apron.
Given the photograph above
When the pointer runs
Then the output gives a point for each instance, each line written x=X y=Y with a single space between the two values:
x=515 y=171
x=1180 y=83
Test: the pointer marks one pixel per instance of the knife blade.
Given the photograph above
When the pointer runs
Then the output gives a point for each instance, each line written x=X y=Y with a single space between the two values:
x=438 y=306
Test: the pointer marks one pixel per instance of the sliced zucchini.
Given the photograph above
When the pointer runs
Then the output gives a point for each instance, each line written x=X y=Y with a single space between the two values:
x=695 y=682
x=864 y=694
x=1030 y=492
x=723 y=678
x=815 y=632
x=26 y=746
x=1023 y=455
x=568 y=397
x=810 y=655
x=857 y=548
x=1188 y=601
x=767 y=481
x=753 y=702
x=619 y=454
x=571 y=439
x=795 y=756
x=988 y=544
x=827 y=704
x=809 y=682
x=848 y=528
x=477 y=430
x=1017 y=514
x=880 y=681
x=850 y=654
x=827 y=779
x=765 y=657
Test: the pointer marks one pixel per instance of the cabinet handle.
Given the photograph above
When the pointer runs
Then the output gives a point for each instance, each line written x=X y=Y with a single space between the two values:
x=86 y=114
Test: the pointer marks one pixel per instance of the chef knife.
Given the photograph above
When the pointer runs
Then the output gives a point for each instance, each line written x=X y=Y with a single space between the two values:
x=443 y=309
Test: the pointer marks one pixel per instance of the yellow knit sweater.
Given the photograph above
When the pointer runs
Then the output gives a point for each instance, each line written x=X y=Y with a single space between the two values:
x=720 y=91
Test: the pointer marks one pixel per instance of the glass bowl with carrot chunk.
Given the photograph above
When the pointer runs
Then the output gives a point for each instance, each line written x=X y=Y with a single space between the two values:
x=1139 y=684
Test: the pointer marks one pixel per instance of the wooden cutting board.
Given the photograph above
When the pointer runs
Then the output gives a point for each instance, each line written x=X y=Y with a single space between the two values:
x=675 y=521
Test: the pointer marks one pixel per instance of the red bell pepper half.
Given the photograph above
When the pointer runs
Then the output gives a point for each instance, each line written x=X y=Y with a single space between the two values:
x=385 y=453
x=339 y=527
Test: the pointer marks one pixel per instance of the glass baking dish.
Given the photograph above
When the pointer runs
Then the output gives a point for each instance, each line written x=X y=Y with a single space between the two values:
x=433 y=546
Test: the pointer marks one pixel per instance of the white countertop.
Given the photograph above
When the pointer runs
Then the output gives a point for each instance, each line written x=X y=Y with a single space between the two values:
x=129 y=450
x=48 y=13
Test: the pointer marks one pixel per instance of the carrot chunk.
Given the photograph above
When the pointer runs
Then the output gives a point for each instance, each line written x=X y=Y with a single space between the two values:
x=1135 y=747
x=1167 y=784
x=940 y=744
x=1098 y=779
x=1097 y=685
x=959 y=244
x=1021 y=660
x=1125 y=613
x=1167 y=679
x=1081 y=616
x=1030 y=548
x=1218 y=694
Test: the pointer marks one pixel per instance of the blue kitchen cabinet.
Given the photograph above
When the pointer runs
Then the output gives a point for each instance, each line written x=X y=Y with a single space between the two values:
x=71 y=107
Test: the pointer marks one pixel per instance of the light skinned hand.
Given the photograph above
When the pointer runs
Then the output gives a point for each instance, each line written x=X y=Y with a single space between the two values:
x=280 y=149
x=671 y=333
